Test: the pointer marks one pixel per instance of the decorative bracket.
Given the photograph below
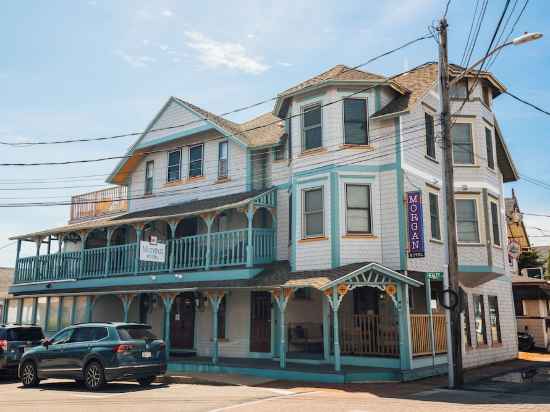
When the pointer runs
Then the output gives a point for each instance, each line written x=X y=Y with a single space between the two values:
x=282 y=296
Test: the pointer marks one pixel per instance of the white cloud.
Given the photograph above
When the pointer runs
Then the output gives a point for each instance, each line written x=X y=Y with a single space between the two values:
x=285 y=64
x=216 y=54
x=251 y=36
x=92 y=3
x=146 y=42
x=167 y=13
x=163 y=47
x=135 y=61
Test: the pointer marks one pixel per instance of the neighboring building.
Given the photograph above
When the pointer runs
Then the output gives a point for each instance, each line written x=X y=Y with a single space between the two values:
x=532 y=305
x=289 y=241
x=516 y=230
x=6 y=279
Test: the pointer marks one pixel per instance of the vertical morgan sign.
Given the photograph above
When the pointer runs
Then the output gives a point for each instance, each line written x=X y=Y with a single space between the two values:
x=416 y=224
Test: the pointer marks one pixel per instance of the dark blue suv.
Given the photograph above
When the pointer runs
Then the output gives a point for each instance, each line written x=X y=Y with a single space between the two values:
x=95 y=353
x=15 y=339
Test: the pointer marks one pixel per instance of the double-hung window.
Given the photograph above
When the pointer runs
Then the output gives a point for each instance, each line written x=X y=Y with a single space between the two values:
x=149 y=167
x=313 y=212
x=223 y=166
x=174 y=165
x=479 y=318
x=463 y=145
x=430 y=135
x=312 y=130
x=495 y=224
x=466 y=221
x=489 y=144
x=434 y=216
x=356 y=121
x=195 y=161
x=494 y=319
x=358 y=216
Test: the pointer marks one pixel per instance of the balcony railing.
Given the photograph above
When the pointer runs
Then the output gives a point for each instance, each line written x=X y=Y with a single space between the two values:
x=187 y=253
x=99 y=203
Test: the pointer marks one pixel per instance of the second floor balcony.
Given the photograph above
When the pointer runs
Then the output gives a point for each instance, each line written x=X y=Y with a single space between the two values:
x=241 y=233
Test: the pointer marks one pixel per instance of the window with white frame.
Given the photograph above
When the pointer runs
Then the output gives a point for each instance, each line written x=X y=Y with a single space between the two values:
x=466 y=221
x=174 y=165
x=358 y=209
x=495 y=224
x=312 y=130
x=463 y=144
x=223 y=155
x=479 y=319
x=356 y=121
x=149 y=167
x=489 y=144
x=313 y=212
x=196 y=161
x=434 y=216
x=430 y=135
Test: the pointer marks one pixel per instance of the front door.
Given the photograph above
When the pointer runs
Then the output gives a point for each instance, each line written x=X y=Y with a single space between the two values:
x=182 y=331
x=260 y=322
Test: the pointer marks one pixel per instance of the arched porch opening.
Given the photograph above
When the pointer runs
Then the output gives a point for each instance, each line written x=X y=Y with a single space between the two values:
x=230 y=219
x=96 y=238
x=70 y=242
x=158 y=229
x=148 y=308
x=190 y=226
x=263 y=219
x=107 y=308
x=123 y=235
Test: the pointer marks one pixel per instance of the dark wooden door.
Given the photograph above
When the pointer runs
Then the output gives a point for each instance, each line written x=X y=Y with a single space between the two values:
x=260 y=322
x=182 y=330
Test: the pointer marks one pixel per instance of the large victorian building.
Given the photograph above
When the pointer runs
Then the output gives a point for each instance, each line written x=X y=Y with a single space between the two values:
x=306 y=243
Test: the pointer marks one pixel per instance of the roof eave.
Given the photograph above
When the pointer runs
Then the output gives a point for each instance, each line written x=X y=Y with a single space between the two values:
x=514 y=171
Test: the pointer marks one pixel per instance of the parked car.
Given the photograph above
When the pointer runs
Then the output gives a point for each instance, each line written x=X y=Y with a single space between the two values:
x=15 y=339
x=526 y=342
x=96 y=353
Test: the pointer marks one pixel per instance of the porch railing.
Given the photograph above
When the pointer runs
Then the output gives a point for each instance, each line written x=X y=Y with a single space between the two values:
x=369 y=335
x=187 y=253
x=99 y=203
x=420 y=333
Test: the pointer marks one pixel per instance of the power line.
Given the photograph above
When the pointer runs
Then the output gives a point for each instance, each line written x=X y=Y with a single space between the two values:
x=78 y=140
x=534 y=106
x=463 y=59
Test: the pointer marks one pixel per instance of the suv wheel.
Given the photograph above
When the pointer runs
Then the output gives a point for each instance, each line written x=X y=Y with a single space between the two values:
x=146 y=381
x=94 y=376
x=29 y=375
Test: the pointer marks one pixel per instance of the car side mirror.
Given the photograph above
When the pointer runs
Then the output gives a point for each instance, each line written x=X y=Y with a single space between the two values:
x=46 y=342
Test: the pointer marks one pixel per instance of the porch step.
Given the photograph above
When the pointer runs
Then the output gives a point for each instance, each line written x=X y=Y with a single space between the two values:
x=293 y=372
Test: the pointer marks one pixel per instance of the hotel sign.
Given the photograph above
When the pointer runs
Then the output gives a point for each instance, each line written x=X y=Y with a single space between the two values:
x=415 y=225
x=152 y=252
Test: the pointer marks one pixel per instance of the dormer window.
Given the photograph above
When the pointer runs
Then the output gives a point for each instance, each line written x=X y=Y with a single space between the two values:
x=356 y=122
x=312 y=130
x=460 y=89
x=486 y=90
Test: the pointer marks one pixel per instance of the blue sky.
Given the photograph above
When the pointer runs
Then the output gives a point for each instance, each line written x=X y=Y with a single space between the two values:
x=96 y=68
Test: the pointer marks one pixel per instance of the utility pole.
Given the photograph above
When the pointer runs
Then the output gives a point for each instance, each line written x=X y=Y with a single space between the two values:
x=453 y=293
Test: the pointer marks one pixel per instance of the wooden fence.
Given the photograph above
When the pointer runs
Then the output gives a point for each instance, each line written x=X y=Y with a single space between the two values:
x=369 y=335
x=420 y=332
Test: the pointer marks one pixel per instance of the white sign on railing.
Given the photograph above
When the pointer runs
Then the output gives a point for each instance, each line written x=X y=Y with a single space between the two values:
x=152 y=252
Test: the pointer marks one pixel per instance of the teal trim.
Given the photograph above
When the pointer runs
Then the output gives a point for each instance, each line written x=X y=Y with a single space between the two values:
x=285 y=374
x=369 y=178
x=371 y=361
x=34 y=309
x=349 y=168
x=144 y=280
x=400 y=197
x=335 y=219
x=89 y=308
x=47 y=317
x=174 y=136
x=427 y=361
x=480 y=269
x=405 y=351
x=260 y=355
x=377 y=99
x=295 y=226
x=312 y=179
x=326 y=330
x=73 y=311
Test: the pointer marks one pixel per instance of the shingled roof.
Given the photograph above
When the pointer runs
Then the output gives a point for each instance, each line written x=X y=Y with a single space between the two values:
x=263 y=130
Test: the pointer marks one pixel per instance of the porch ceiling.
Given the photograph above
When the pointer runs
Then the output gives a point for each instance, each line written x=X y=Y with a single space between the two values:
x=176 y=211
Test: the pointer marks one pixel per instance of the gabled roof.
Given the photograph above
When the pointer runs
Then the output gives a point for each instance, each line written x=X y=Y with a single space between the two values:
x=261 y=131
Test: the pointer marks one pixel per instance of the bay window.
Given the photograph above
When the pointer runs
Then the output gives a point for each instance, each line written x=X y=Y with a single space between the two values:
x=466 y=221
x=355 y=122
x=358 y=209
x=463 y=145
x=313 y=212
x=312 y=130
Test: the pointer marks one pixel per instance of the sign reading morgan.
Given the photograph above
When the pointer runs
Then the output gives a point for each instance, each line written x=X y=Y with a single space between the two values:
x=416 y=225
x=152 y=252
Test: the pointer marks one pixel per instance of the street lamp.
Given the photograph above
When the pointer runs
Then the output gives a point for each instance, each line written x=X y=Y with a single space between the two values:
x=524 y=38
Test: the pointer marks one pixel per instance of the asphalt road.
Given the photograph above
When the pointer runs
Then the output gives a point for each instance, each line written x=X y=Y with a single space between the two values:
x=276 y=396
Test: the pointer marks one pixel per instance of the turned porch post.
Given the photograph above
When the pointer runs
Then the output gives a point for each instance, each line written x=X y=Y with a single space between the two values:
x=335 y=296
x=168 y=300
x=250 y=244
x=405 y=353
x=282 y=297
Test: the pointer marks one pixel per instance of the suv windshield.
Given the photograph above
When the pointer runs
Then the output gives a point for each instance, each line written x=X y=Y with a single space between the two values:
x=135 y=333
x=25 y=334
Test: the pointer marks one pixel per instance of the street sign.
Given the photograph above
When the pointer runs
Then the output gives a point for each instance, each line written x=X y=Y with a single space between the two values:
x=151 y=252
x=415 y=224
x=435 y=275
